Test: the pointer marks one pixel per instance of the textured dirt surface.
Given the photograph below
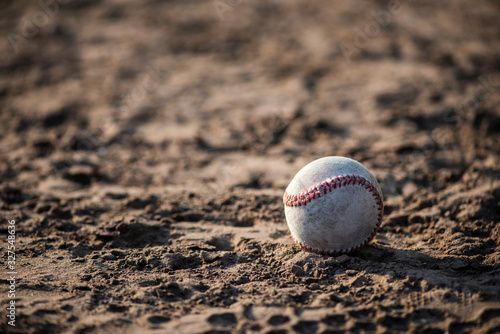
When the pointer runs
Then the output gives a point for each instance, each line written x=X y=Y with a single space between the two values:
x=145 y=148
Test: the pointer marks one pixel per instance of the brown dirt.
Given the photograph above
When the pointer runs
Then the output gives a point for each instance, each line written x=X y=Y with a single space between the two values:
x=145 y=147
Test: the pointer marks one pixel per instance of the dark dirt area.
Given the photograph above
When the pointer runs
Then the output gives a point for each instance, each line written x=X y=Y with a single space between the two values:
x=145 y=148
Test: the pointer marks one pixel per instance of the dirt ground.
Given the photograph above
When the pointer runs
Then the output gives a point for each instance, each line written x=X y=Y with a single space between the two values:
x=146 y=146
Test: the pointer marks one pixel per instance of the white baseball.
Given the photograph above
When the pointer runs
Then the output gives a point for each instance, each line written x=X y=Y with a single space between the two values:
x=333 y=206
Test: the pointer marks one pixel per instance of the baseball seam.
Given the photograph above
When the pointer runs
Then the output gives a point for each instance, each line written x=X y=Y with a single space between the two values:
x=326 y=187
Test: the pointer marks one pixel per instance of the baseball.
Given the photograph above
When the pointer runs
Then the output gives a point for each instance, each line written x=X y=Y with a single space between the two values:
x=333 y=206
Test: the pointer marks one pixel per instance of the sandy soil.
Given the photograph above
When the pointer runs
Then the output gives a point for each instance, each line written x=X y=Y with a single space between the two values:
x=145 y=148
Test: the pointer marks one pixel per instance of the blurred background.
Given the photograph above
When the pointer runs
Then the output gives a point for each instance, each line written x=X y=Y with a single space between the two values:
x=145 y=93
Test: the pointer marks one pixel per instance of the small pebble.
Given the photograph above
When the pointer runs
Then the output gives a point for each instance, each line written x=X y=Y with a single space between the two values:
x=109 y=257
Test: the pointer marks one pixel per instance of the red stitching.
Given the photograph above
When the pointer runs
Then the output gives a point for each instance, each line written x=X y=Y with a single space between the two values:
x=309 y=195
